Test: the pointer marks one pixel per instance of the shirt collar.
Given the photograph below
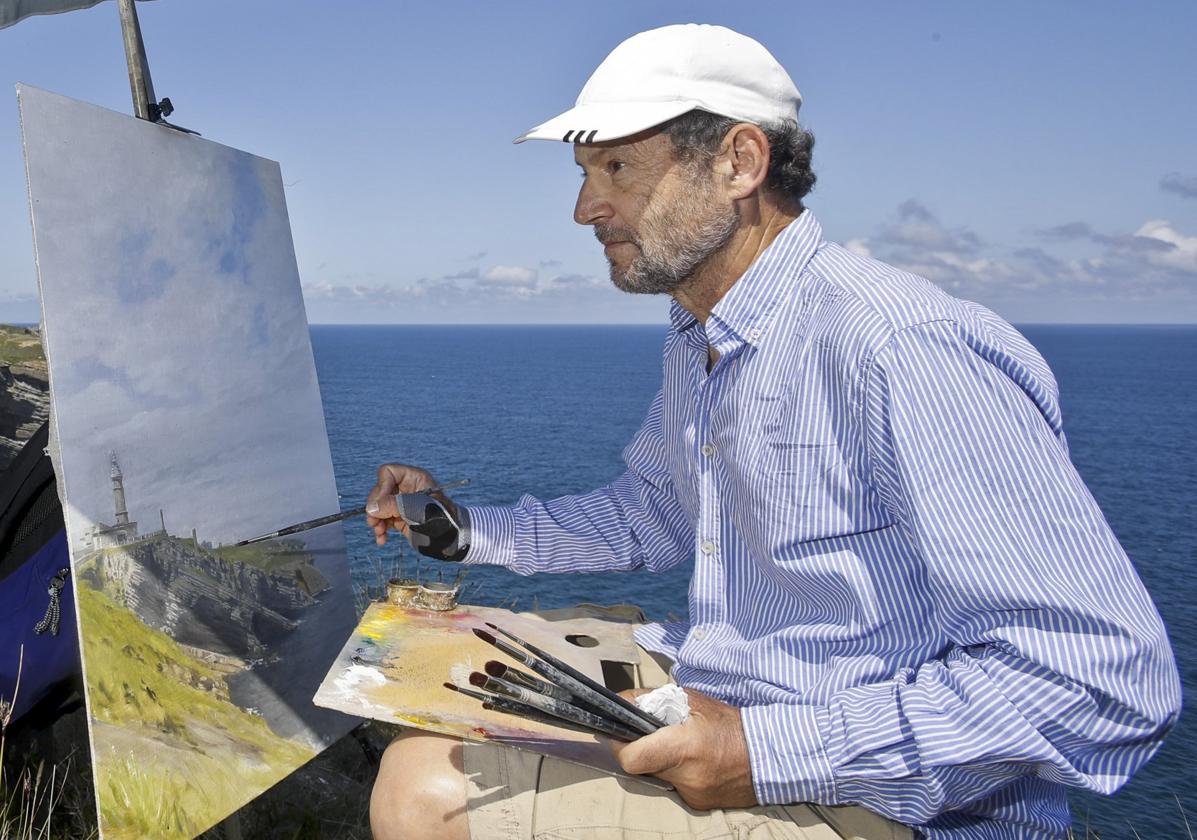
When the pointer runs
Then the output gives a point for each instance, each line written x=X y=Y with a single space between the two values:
x=743 y=314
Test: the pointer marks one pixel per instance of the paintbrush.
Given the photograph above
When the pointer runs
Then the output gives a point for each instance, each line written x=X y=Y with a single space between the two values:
x=596 y=687
x=514 y=707
x=599 y=700
x=552 y=706
x=503 y=672
x=345 y=514
x=516 y=677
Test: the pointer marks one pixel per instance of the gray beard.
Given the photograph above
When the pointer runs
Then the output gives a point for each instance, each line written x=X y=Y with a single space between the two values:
x=676 y=254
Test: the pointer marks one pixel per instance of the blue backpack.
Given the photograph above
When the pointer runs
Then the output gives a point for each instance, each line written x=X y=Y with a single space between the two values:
x=37 y=605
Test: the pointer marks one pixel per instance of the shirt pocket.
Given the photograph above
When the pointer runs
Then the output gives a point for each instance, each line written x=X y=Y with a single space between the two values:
x=798 y=482
x=791 y=492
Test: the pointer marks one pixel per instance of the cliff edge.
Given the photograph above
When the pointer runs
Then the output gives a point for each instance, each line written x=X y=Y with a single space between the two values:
x=24 y=389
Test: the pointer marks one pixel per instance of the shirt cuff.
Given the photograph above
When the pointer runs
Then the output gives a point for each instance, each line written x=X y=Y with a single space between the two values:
x=787 y=753
x=492 y=536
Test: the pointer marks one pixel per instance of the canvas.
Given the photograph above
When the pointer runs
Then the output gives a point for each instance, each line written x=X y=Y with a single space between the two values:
x=395 y=665
x=187 y=416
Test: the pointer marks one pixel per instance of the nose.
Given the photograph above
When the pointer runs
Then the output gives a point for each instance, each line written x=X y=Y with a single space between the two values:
x=592 y=207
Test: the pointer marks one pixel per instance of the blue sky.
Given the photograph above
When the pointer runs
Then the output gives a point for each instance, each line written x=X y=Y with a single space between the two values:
x=1039 y=158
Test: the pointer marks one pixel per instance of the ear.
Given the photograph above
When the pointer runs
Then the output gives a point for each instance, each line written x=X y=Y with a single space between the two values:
x=745 y=154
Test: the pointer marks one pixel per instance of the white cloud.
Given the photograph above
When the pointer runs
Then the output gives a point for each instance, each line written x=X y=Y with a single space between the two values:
x=511 y=276
x=917 y=227
x=858 y=246
x=1182 y=256
x=1156 y=261
x=324 y=290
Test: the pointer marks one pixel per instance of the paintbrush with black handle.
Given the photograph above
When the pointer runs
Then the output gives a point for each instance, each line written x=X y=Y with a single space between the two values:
x=553 y=706
x=506 y=705
x=596 y=687
x=346 y=514
x=600 y=700
x=517 y=677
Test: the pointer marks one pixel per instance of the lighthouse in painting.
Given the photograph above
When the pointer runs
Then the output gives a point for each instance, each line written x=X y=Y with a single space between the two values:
x=123 y=531
x=118 y=492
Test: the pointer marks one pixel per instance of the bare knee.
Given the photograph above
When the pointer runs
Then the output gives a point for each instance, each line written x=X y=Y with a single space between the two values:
x=420 y=790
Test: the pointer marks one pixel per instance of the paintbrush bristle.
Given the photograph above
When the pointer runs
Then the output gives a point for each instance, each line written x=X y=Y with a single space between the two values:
x=478 y=679
x=484 y=636
x=450 y=686
x=495 y=669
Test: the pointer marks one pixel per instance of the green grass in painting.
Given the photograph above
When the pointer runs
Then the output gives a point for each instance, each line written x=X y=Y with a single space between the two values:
x=278 y=556
x=172 y=753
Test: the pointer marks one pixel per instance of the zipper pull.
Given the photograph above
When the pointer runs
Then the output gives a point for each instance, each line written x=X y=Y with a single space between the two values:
x=54 y=608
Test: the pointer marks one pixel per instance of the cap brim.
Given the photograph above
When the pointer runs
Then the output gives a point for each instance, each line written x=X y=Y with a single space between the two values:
x=596 y=122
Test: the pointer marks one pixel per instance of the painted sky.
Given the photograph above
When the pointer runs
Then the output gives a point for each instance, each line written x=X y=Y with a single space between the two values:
x=174 y=326
x=1040 y=158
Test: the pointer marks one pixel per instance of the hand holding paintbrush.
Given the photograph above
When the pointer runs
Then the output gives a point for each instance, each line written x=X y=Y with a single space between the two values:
x=400 y=501
x=564 y=694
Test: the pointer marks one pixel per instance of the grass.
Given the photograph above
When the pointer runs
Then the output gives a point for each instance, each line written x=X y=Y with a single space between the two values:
x=148 y=808
x=173 y=754
x=20 y=347
x=27 y=809
x=51 y=796
x=28 y=803
x=272 y=556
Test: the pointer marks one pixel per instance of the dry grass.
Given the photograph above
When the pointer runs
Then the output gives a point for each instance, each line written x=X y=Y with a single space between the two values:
x=31 y=800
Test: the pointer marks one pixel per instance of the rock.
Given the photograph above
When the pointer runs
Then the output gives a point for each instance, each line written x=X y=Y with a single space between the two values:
x=24 y=389
x=200 y=599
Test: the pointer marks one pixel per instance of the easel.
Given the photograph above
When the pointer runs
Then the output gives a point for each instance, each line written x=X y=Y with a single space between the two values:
x=145 y=104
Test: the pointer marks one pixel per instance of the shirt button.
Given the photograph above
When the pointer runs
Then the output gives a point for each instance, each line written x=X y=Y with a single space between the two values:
x=708 y=449
x=707 y=547
x=700 y=634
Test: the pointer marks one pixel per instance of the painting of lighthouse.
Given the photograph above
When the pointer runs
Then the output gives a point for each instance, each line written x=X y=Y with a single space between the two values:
x=187 y=416
x=122 y=532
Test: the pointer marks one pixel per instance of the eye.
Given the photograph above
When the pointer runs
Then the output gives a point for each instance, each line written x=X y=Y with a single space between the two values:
x=614 y=166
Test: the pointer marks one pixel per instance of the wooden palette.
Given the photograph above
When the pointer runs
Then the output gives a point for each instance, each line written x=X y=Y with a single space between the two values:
x=394 y=666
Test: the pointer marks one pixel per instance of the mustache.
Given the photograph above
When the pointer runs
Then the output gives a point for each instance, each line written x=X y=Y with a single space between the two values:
x=613 y=233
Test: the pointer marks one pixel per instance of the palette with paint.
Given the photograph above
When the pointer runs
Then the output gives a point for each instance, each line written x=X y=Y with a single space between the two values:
x=395 y=665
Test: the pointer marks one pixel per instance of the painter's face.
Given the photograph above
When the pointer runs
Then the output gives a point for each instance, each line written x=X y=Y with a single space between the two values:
x=659 y=219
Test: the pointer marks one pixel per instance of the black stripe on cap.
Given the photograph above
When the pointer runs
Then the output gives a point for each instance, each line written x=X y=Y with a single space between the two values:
x=590 y=136
x=565 y=139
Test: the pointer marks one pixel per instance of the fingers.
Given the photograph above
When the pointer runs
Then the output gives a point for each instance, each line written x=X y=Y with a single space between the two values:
x=382 y=514
x=653 y=754
x=404 y=478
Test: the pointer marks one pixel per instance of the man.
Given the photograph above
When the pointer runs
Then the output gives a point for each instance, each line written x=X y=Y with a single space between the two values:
x=904 y=598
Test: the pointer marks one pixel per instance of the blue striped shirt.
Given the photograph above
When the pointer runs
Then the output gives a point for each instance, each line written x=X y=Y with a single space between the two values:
x=899 y=576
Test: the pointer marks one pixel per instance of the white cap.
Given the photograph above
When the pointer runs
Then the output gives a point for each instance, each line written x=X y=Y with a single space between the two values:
x=657 y=75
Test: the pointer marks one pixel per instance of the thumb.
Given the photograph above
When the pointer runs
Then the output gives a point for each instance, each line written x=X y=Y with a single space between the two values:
x=650 y=754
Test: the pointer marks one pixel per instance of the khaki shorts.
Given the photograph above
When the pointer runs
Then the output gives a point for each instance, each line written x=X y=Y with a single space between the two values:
x=518 y=795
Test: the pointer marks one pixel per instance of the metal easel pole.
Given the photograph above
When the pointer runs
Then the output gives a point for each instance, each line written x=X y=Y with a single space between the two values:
x=145 y=104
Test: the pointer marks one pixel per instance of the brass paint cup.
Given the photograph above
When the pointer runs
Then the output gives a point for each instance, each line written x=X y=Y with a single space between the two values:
x=440 y=597
x=403 y=592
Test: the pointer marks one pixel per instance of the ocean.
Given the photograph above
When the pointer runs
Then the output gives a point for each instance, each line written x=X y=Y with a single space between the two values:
x=547 y=410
